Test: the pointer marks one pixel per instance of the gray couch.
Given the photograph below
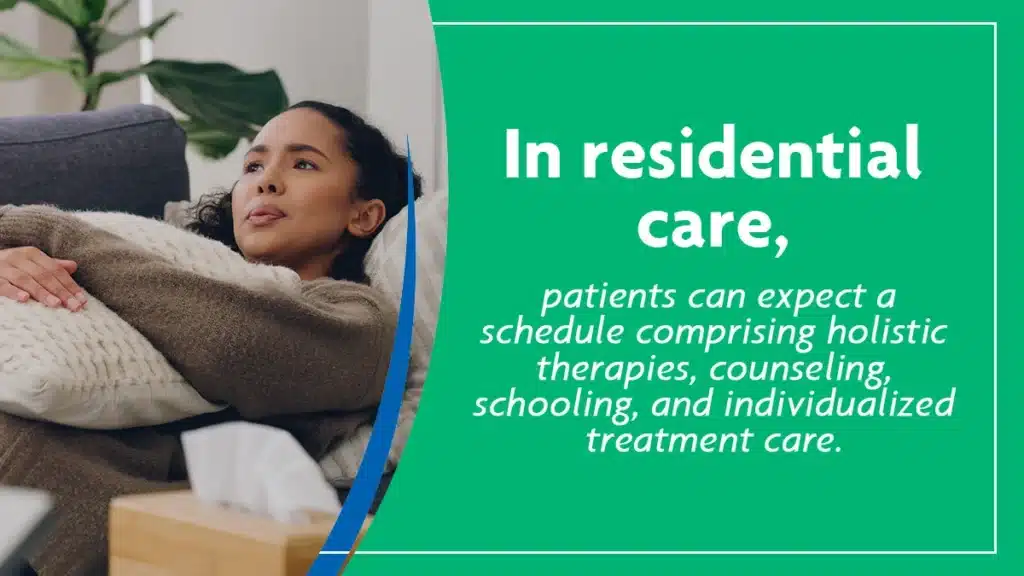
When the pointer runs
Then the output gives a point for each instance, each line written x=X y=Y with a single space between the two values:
x=128 y=159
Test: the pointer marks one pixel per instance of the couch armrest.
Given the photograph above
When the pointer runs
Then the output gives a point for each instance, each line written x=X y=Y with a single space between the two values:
x=128 y=159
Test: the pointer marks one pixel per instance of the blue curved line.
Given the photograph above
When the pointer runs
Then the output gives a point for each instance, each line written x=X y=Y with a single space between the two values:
x=371 y=469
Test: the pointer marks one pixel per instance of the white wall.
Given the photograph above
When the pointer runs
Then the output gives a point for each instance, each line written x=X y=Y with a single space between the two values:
x=55 y=92
x=404 y=83
x=17 y=98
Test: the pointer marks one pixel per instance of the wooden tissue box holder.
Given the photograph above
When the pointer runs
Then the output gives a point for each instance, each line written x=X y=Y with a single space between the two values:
x=173 y=534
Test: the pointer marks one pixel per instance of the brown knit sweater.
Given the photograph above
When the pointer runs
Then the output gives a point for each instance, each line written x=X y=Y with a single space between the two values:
x=313 y=365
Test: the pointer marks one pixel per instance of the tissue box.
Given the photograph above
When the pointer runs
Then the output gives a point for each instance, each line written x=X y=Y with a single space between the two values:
x=173 y=534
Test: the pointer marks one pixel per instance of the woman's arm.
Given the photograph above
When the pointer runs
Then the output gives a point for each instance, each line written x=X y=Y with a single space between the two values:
x=263 y=354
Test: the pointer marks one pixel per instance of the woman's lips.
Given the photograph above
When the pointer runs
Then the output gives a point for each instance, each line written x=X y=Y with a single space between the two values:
x=264 y=216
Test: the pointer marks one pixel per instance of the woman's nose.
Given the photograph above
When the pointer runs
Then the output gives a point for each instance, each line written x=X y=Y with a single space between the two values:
x=269 y=184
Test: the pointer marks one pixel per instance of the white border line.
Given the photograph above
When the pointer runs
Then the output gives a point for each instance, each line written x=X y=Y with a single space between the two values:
x=762 y=24
x=995 y=288
x=995 y=334
x=658 y=553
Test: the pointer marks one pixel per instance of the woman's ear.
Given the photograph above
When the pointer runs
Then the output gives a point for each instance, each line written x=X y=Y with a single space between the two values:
x=367 y=217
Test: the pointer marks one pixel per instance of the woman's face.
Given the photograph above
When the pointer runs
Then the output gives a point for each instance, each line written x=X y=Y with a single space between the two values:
x=296 y=197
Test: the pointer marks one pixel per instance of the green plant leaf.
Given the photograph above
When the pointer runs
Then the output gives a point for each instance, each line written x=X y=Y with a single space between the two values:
x=18 y=61
x=71 y=12
x=100 y=79
x=218 y=95
x=95 y=9
x=116 y=9
x=110 y=41
x=7 y=4
x=210 y=142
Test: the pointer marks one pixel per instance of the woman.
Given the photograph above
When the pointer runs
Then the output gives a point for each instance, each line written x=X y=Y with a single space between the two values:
x=317 y=185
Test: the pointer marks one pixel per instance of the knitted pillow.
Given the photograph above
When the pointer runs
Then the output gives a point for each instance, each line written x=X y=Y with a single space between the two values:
x=91 y=369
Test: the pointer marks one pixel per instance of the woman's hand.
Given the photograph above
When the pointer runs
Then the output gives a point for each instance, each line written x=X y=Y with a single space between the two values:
x=29 y=274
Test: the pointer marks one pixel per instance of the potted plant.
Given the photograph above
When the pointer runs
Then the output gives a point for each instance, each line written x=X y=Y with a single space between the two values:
x=221 y=105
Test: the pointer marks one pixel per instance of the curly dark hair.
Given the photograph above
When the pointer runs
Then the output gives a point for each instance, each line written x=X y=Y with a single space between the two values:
x=383 y=175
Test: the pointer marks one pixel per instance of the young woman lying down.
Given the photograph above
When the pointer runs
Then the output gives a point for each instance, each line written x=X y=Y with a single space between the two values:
x=316 y=187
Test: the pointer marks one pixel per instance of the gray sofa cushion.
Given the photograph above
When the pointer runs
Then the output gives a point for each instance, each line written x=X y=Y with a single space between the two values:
x=129 y=159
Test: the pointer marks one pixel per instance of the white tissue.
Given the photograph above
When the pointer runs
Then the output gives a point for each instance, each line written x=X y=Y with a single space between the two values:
x=257 y=469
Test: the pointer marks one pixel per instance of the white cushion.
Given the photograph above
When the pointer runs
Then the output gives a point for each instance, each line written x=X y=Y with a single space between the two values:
x=385 y=262
x=385 y=265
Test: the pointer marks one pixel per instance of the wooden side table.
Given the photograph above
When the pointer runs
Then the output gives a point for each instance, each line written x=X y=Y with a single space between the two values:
x=173 y=534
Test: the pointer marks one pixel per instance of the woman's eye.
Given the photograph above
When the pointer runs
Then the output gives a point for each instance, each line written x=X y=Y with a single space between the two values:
x=305 y=165
x=252 y=166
